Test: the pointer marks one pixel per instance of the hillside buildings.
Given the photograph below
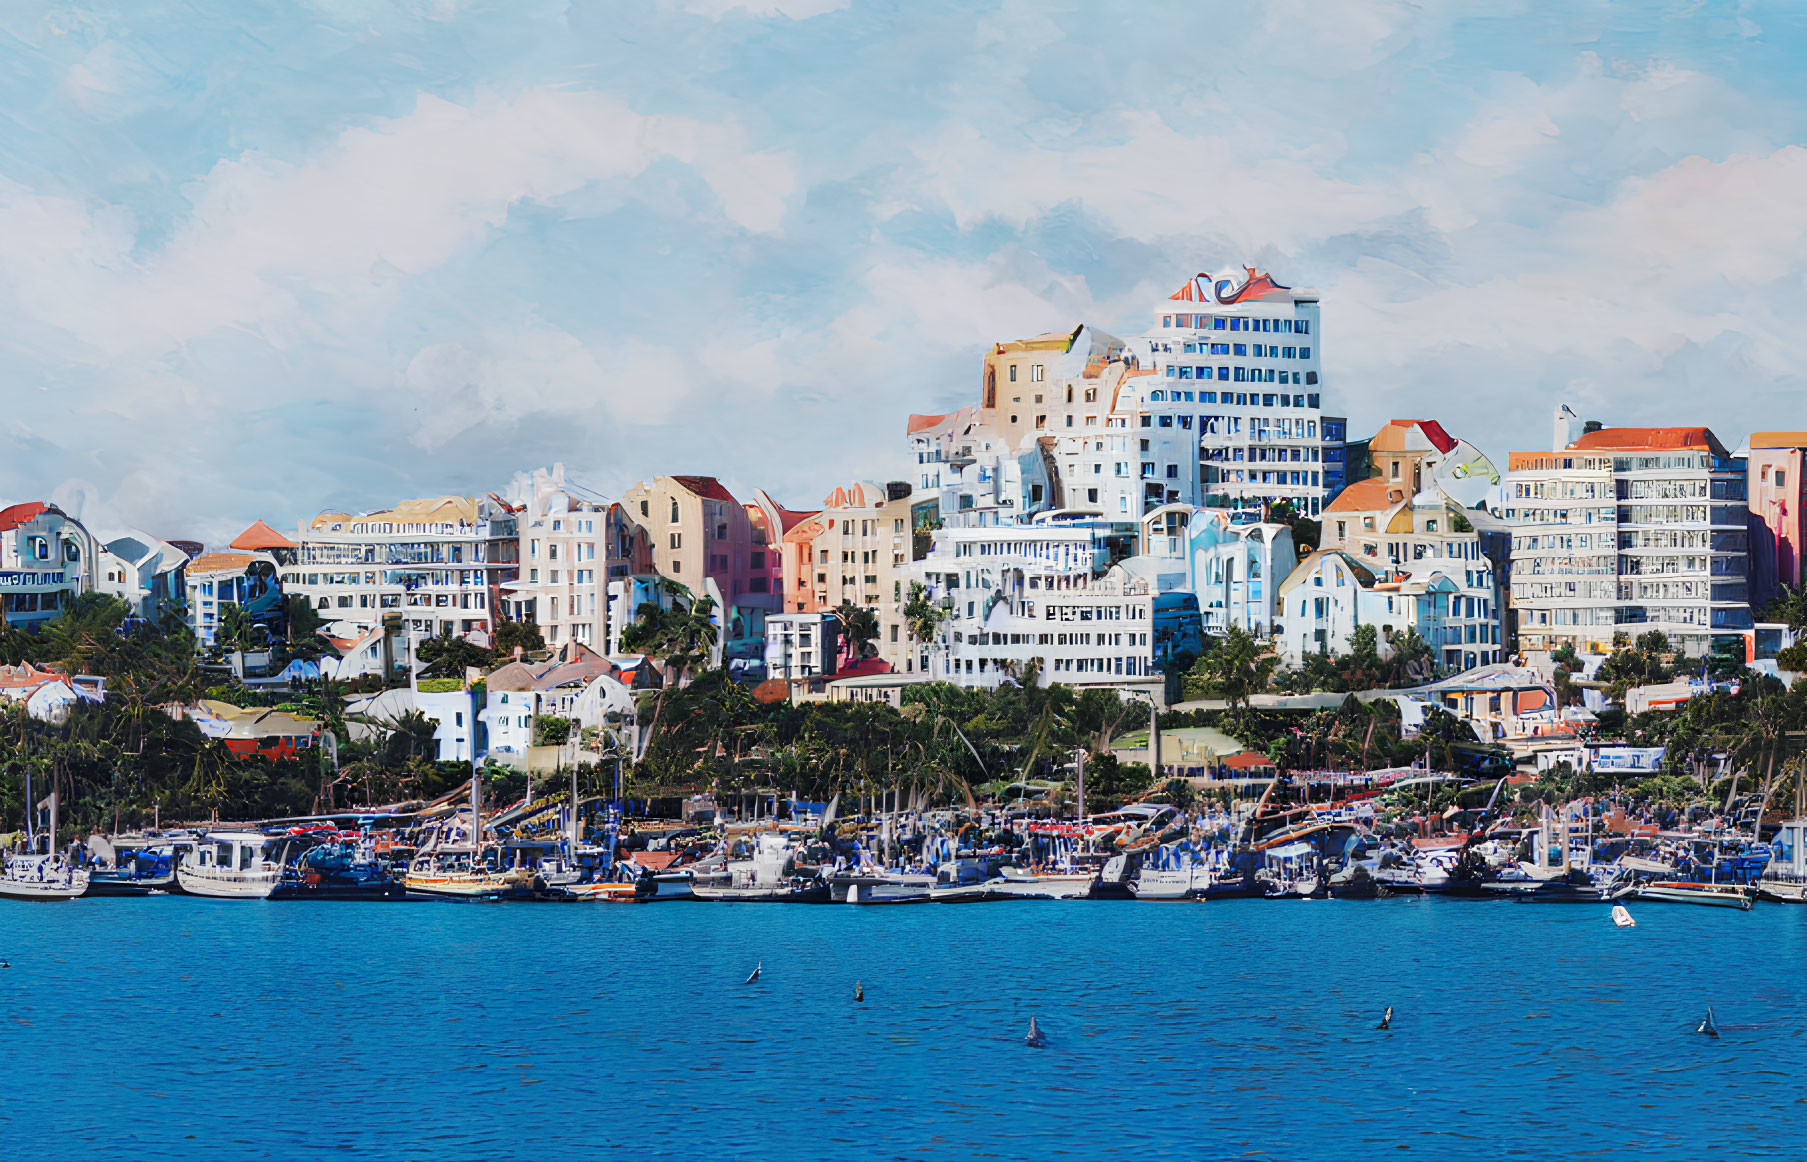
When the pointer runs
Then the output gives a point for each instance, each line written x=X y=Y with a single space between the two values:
x=46 y=559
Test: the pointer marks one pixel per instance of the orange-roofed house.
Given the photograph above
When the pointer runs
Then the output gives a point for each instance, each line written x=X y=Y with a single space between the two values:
x=1773 y=465
x=261 y=538
x=855 y=549
x=1628 y=531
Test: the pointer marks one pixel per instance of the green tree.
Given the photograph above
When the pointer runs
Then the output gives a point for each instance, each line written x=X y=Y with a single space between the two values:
x=447 y=656
x=1235 y=667
x=1789 y=607
x=922 y=616
x=859 y=629
x=511 y=635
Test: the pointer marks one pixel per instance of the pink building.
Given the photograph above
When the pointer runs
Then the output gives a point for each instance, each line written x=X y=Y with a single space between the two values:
x=1778 y=531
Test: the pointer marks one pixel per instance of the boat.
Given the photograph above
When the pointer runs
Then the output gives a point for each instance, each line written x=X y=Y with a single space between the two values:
x=1785 y=878
x=1621 y=917
x=1290 y=871
x=879 y=886
x=343 y=869
x=457 y=872
x=31 y=875
x=232 y=865
x=1036 y=884
x=144 y=871
x=1172 y=872
x=1710 y=894
x=768 y=875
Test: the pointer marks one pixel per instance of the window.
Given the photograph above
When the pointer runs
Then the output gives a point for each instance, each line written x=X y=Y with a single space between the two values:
x=1013 y=373
x=643 y=508
x=674 y=510
x=677 y=540
x=1781 y=478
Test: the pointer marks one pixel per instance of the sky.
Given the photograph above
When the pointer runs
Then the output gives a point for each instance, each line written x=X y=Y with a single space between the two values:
x=264 y=260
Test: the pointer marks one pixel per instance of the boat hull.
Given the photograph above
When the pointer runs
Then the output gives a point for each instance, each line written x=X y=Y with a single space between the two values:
x=1709 y=895
x=328 y=890
x=812 y=894
x=880 y=889
x=1187 y=884
x=106 y=884
x=1031 y=886
x=252 y=885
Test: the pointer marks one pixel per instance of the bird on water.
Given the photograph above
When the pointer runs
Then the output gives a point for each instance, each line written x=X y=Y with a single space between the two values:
x=1035 y=1039
x=756 y=970
x=859 y=993
x=1707 y=1027
x=1386 y=1019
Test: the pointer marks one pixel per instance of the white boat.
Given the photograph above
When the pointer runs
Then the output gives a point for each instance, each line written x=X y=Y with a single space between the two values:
x=1169 y=873
x=232 y=865
x=1028 y=884
x=451 y=873
x=1622 y=918
x=768 y=875
x=1785 y=879
x=1712 y=895
x=878 y=886
x=41 y=877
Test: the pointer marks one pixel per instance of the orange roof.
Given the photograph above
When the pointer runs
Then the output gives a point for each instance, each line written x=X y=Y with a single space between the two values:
x=1778 y=440
x=18 y=514
x=790 y=518
x=219 y=563
x=1370 y=495
x=1392 y=438
x=917 y=423
x=1201 y=288
x=1248 y=760
x=261 y=536
x=1648 y=440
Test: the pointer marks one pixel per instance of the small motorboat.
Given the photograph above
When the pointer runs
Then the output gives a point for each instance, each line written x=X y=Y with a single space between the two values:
x=232 y=865
x=1032 y=884
x=1622 y=918
x=347 y=869
x=879 y=886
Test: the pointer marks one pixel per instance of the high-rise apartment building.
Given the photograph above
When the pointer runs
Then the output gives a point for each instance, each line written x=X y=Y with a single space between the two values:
x=1627 y=530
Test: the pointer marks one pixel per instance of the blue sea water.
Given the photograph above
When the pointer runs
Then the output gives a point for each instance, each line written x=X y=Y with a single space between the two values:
x=183 y=1028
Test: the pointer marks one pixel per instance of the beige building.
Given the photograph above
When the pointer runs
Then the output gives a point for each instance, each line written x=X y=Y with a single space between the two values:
x=856 y=550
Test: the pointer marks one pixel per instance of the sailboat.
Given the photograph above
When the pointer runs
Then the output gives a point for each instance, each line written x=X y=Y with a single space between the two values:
x=47 y=876
x=454 y=864
x=232 y=865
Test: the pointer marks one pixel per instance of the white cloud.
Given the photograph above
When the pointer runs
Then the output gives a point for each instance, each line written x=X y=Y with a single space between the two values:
x=342 y=229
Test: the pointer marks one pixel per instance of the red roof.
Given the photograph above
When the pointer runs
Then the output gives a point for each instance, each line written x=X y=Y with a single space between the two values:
x=706 y=486
x=791 y=518
x=261 y=536
x=1648 y=439
x=1201 y=289
x=917 y=423
x=18 y=514
x=1248 y=760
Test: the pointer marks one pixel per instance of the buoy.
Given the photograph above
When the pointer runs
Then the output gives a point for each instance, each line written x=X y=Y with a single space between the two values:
x=756 y=971
x=1386 y=1018
x=1035 y=1039
x=1706 y=1026
x=859 y=993
x=1622 y=918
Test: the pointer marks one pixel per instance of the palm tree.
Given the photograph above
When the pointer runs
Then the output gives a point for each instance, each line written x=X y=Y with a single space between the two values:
x=859 y=629
x=922 y=616
x=1237 y=667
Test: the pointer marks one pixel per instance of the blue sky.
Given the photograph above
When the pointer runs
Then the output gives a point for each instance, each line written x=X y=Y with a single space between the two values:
x=257 y=261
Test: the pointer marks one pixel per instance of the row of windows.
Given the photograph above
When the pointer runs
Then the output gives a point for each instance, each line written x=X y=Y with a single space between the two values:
x=1237 y=323
x=1241 y=375
x=1236 y=398
x=1261 y=350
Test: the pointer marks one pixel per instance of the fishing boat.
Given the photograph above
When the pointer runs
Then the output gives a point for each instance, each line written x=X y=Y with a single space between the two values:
x=232 y=865
x=346 y=868
x=1712 y=895
x=768 y=875
x=1290 y=871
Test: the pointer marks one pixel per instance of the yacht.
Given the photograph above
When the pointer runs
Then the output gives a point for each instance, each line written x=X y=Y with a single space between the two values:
x=1172 y=872
x=768 y=874
x=880 y=886
x=1033 y=883
x=1785 y=878
x=41 y=877
x=141 y=871
x=232 y=865
x=456 y=872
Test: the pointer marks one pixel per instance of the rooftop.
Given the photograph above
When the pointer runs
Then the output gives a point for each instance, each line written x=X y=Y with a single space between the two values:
x=1649 y=440
x=261 y=536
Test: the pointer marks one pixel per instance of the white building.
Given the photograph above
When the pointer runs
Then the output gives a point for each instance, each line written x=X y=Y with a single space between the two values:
x=144 y=572
x=801 y=645
x=1047 y=593
x=564 y=538
x=217 y=580
x=1233 y=569
x=1628 y=530
x=46 y=559
x=1236 y=362
x=439 y=563
x=1332 y=592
